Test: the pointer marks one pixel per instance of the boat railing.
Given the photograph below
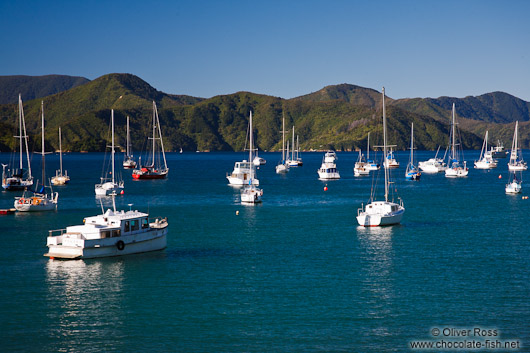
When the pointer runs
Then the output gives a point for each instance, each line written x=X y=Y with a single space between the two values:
x=360 y=210
x=56 y=232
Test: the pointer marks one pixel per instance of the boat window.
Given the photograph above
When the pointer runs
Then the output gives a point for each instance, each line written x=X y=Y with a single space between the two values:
x=126 y=227
x=116 y=233
x=105 y=233
x=135 y=225
x=145 y=223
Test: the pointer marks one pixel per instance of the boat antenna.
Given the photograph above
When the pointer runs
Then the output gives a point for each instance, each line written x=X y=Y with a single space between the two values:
x=130 y=206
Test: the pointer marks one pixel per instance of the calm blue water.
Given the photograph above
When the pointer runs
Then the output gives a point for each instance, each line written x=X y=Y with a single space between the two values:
x=291 y=275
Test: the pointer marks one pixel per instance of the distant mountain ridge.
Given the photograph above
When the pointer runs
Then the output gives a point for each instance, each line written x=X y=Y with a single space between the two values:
x=31 y=87
x=338 y=117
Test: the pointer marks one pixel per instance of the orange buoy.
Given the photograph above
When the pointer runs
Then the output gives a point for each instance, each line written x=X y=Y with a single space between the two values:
x=122 y=192
x=500 y=176
x=325 y=188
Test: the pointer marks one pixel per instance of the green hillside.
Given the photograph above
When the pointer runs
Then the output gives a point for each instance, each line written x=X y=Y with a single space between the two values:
x=32 y=87
x=338 y=117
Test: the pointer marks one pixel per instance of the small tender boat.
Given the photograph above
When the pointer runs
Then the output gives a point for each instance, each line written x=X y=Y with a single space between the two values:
x=259 y=161
x=7 y=211
x=60 y=178
x=109 y=234
x=156 y=168
x=250 y=193
x=456 y=167
x=485 y=160
x=381 y=213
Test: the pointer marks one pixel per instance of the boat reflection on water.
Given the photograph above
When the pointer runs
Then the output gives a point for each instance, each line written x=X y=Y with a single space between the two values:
x=83 y=298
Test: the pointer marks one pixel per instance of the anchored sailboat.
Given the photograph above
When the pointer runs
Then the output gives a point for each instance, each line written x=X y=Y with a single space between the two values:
x=412 y=172
x=516 y=162
x=110 y=186
x=129 y=162
x=251 y=194
x=283 y=166
x=13 y=178
x=456 y=166
x=485 y=160
x=155 y=168
x=38 y=200
x=381 y=213
x=60 y=178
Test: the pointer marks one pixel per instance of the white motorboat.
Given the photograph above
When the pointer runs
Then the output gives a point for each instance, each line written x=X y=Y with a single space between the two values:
x=412 y=172
x=485 y=160
x=110 y=186
x=381 y=213
x=330 y=157
x=360 y=168
x=390 y=161
x=328 y=171
x=250 y=193
x=456 y=166
x=514 y=185
x=516 y=162
x=109 y=234
x=19 y=178
x=498 y=151
x=128 y=162
x=283 y=166
x=60 y=177
x=433 y=165
x=241 y=174
x=38 y=200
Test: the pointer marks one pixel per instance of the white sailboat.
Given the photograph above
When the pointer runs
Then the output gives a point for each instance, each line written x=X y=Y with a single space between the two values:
x=516 y=162
x=13 y=178
x=129 y=162
x=292 y=161
x=485 y=160
x=412 y=172
x=456 y=166
x=282 y=166
x=250 y=193
x=433 y=165
x=156 y=167
x=60 y=177
x=38 y=200
x=390 y=160
x=113 y=233
x=381 y=213
x=110 y=186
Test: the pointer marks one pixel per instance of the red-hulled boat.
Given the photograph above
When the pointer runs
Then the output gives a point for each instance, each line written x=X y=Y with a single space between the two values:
x=156 y=167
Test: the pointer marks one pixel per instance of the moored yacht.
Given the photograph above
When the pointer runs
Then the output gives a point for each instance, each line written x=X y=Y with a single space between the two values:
x=456 y=166
x=433 y=165
x=485 y=160
x=60 y=177
x=516 y=162
x=109 y=234
x=251 y=194
x=360 y=168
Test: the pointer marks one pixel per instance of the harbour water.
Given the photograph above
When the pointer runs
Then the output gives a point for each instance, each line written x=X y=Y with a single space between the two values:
x=293 y=274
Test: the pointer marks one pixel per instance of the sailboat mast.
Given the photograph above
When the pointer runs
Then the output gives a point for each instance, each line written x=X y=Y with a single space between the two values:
x=283 y=138
x=127 y=137
x=297 y=147
x=20 y=126
x=60 y=152
x=250 y=149
x=43 y=153
x=292 y=151
x=25 y=136
x=161 y=141
x=112 y=144
x=453 y=149
x=384 y=147
x=412 y=143
x=368 y=149
x=154 y=130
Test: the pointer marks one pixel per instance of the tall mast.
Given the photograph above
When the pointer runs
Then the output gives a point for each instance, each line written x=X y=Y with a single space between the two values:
x=250 y=149
x=20 y=113
x=128 y=137
x=161 y=142
x=154 y=130
x=292 y=151
x=412 y=143
x=368 y=149
x=60 y=152
x=283 y=138
x=297 y=147
x=112 y=145
x=43 y=152
x=453 y=149
x=384 y=146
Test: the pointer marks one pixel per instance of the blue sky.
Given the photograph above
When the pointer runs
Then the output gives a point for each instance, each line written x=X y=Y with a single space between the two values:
x=280 y=48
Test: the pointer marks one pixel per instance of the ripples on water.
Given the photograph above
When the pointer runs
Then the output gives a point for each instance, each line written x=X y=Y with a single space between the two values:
x=293 y=274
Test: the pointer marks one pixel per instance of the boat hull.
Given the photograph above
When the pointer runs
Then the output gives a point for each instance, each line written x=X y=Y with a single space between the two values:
x=513 y=188
x=380 y=213
x=60 y=180
x=456 y=172
x=251 y=195
x=149 y=176
x=35 y=204
x=111 y=247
